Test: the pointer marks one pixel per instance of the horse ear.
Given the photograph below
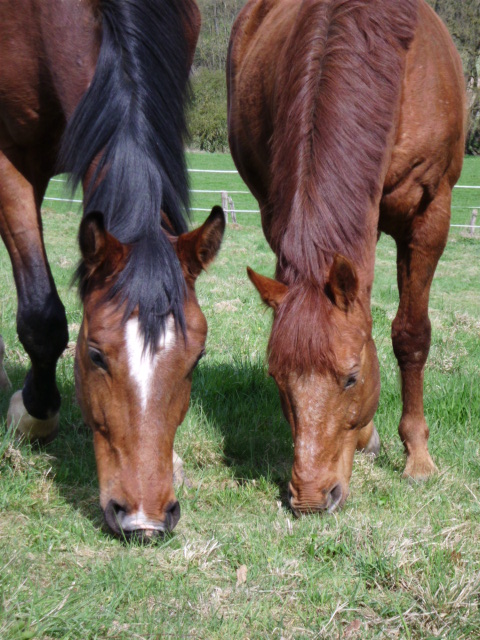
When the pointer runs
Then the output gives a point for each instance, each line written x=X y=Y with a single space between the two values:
x=342 y=283
x=197 y=249
x=100 y=250
x=271 y=291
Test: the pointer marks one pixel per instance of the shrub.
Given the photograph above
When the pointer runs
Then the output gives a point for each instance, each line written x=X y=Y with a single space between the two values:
x=207 y=116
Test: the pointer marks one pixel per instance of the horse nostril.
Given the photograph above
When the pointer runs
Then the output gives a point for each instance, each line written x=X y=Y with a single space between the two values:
x=114 y=514
x=172 y=515
x=334 y=497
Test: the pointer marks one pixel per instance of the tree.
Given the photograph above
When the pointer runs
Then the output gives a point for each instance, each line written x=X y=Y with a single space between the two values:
x=218 y=17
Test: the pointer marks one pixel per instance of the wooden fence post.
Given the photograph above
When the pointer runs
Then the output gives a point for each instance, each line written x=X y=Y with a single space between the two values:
x=233 y=215
x=225 y=205
x=472 y=222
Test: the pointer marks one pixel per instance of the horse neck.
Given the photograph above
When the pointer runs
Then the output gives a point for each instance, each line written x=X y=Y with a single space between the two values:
x=336 y=128
x=130 y=122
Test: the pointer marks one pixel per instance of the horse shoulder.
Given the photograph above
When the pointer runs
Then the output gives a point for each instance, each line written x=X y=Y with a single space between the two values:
x=429 y=137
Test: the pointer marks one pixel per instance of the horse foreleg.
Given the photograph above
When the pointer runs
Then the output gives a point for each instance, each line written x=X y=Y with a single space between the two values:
x=41 y=319
x=418 y=252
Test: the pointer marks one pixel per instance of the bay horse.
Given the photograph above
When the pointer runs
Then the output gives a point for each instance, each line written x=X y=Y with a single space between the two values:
x=346 y=118
x=97 y=88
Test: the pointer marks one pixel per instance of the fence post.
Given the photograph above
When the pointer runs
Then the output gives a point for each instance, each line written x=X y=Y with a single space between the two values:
x=225 y=205
x=472 y=222
x=233 y=215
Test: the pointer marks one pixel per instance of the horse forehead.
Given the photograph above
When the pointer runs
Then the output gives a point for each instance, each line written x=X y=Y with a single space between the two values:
x=317 y=384
x=347 y=334
x=103 y=318
x=142 y=362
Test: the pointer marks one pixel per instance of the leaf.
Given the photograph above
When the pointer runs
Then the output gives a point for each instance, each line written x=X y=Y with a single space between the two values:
x=241 y=574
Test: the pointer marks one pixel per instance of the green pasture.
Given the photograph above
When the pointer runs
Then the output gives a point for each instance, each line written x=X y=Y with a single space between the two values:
x=464 y=200
x=401 y=560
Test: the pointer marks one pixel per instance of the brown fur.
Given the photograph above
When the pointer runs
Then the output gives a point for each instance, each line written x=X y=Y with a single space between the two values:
x=134 y=445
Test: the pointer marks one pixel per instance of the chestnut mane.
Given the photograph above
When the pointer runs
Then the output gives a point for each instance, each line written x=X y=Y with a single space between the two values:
x=337 y=92
x=337 y=95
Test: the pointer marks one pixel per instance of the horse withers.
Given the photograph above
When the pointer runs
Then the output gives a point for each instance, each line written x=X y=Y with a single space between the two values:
x=98 y=89
x=346 y=118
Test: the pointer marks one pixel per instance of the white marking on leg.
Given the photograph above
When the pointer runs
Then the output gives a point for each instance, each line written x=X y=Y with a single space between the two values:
x=142 y=363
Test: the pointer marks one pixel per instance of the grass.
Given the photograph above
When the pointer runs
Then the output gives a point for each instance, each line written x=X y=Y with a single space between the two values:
x=400 y=560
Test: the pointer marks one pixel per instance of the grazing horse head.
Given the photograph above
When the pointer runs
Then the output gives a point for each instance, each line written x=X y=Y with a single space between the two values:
x=323 y=359
x=132 y=394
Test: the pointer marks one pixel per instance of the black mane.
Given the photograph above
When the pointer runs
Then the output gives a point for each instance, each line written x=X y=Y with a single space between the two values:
x=132 y=120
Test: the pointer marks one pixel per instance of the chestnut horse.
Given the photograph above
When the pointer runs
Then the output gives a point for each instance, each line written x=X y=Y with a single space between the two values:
x=97 y=88
x=346 y=118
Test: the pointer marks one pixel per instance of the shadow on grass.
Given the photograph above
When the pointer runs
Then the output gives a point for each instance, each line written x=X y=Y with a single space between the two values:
x=243 y=405
x=237 y=400
x=71 y=453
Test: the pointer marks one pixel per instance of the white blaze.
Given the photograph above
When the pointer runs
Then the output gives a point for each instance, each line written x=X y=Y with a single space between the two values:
x=142 y=363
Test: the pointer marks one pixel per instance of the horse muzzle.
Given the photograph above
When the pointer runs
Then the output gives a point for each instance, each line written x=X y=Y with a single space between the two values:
x=303 y=503
x=137 y=524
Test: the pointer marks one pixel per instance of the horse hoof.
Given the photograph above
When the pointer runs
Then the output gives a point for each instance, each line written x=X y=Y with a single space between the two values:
x=373 y=445
x=25 y=425
x=368 y=439
x=419 y=468
x=178 y=472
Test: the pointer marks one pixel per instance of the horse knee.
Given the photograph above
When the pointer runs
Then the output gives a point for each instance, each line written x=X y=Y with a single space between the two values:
x=42 y=329
x=411 y=344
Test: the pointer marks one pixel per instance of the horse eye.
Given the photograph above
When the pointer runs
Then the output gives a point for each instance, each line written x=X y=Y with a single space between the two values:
x=97 y=358
x=351 y=381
